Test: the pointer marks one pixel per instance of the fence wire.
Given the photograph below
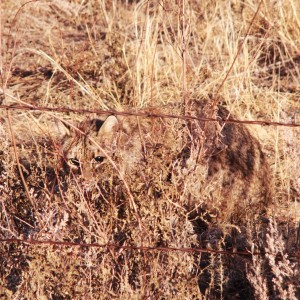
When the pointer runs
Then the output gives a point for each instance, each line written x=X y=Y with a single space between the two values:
x=143 y=114
x=109 y=246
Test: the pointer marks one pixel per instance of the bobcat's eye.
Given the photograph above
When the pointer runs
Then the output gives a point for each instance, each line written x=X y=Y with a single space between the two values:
x=75 y=162
x=99 y=159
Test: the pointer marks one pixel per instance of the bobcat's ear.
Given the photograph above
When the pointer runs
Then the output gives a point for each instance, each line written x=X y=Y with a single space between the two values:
x=96 y=124
x=109 y=126
x=62 y=128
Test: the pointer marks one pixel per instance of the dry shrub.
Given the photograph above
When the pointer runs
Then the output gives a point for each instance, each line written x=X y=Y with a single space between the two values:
x=282 y=280
x=107 y=54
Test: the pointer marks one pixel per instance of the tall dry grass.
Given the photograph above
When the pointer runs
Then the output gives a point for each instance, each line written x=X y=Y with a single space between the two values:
x=116 y=54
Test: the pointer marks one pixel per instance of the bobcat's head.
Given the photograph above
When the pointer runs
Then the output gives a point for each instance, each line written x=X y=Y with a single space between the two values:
x=97 y=143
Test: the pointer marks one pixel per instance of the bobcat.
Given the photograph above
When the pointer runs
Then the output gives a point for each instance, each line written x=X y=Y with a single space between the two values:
x=219 y=166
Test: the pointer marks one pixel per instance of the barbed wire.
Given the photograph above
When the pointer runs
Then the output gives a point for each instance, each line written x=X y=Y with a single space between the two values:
x=137 y=248
x=149 y=114
x=143 y=114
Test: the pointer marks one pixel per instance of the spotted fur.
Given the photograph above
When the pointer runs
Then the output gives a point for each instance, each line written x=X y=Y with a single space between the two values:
x=218 y=165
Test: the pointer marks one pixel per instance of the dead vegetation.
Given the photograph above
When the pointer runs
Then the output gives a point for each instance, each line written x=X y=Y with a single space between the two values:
x=117 y=54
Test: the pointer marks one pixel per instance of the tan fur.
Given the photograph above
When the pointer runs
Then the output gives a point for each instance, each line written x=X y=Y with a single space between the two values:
x=213 y=165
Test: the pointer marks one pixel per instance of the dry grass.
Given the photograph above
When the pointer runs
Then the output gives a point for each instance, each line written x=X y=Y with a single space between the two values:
x=113 y=54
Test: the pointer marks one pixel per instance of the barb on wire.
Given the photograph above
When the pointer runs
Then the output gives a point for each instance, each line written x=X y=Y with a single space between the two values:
x=144 y=114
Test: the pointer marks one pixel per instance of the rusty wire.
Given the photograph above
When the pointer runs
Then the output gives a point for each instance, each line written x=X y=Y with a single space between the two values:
x=141 y=114
x=112 y=246
x=144 y=114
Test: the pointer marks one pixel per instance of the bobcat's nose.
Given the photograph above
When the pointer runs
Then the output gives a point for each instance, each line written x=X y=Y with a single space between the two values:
x=87 y=171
